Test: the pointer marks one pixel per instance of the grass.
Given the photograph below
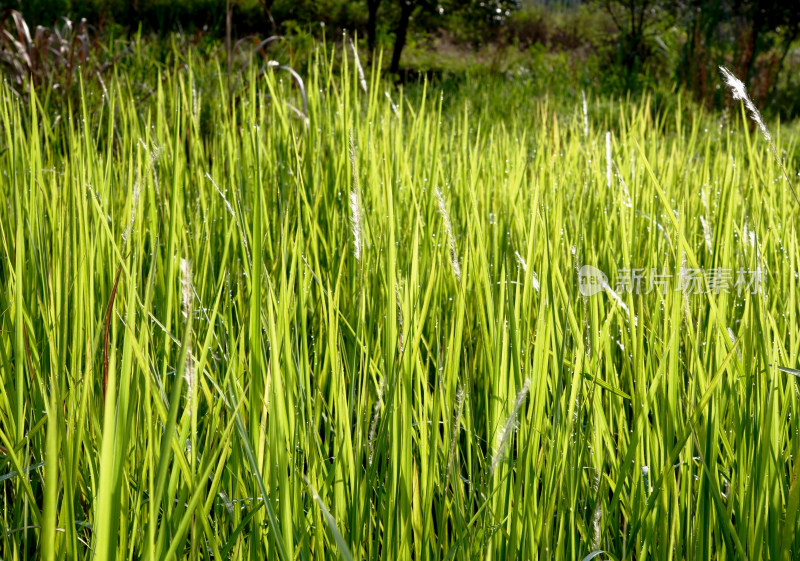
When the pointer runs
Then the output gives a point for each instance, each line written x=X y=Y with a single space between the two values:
x=196 y=365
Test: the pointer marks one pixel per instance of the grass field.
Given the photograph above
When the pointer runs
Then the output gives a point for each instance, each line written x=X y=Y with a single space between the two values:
x=234 y=328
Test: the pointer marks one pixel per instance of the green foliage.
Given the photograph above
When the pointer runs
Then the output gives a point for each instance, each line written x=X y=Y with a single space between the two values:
x=334 y=13
x=560 y=29
x=196 y=365
x=153 y=15
x=634 y=45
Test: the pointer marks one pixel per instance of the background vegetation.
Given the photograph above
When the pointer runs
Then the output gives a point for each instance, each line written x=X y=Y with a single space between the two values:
x=620 y=46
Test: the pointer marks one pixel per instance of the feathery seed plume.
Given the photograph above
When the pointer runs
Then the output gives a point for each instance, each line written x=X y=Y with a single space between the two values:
x=521 y=262
x=360 y=70
x=355 y=202
x=732 y=337
x=449 y=229
x=745 y=234
x=596 y=529
x=186 y=287
x=134 y=206
x=456 y=427
x=524 y=265
x=355 y=219
x=187 y=290
x=392 y=105
x=739 y=92
x=510 y=426
x=707 y=233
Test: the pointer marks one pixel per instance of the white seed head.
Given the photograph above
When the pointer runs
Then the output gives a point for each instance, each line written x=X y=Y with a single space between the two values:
x=186 y=287
x=521 y=262
x=392 y=105
x=355 y=221
x=456 y=427
x=524 y=265
x=189 y=376
x=585 y=116
x=608 y=159
x=187 y=291
x=596 y=528
x=360 y=70
x=454 y=264
x=355 y=202
x=510 y=426
x=707 y=233
x=739 y=91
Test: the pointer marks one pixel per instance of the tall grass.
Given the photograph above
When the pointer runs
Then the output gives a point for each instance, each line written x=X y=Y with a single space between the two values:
x=196 y=364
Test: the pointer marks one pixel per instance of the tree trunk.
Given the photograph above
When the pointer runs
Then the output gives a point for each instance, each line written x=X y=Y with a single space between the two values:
x=400 y=35
x=372 y=25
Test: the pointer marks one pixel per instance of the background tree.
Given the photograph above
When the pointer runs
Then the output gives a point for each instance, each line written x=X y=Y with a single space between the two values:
x=635 y=20
x=372 y=24
x=753 y=37
x=473 y=20
x=407 y=8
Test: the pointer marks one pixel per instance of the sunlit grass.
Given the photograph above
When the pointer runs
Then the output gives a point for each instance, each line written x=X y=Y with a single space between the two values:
x=208 y=300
